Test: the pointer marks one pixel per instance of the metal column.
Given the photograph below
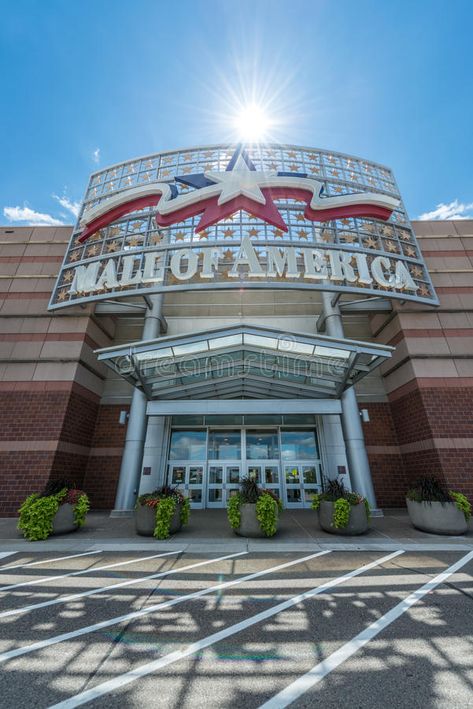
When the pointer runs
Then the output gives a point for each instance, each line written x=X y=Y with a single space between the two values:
x=130 y=470
x=358 y=464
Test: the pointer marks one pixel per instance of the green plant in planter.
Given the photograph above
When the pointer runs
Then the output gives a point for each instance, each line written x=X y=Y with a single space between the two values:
x=164 y=502
x=342 y=500
x=37 y=512
x=268 y=506
x=430 y=489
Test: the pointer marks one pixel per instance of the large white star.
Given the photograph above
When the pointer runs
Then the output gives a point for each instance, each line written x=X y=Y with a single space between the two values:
x=241 y=181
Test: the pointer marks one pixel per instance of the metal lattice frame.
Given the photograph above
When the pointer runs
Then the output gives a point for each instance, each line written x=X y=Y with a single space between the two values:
x=340 y=174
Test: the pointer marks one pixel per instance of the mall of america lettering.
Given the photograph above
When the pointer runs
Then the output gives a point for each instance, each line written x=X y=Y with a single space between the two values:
x=317 y=265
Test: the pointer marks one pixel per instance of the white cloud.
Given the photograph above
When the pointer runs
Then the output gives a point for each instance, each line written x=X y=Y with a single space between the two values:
x=451 y=210
x=72 y=207
x=32 y=218
x=96 y=155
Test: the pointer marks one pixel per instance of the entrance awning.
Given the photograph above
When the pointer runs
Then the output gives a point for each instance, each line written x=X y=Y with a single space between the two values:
x=244 y=362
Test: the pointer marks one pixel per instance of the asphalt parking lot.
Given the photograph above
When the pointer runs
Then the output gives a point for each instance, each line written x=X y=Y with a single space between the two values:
x=243 y=629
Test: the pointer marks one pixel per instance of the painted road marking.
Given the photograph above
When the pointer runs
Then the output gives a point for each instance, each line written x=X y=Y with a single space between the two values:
x=93 y=569
x=126 y=678
x=130 y=582
x=322 y=669
x=151 y=609
x=3 y=554
x=45 y=561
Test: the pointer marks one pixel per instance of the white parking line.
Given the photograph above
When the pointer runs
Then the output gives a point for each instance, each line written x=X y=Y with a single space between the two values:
x=151 y=609
x=322 y=669
x=3 y=554
x=106 y=687
x=92 y=569
x=130 y=582
x=45 y=561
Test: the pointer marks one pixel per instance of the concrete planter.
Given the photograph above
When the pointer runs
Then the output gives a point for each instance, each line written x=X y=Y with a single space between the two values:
x=358 y=522
x=437 y=517
x=145 y=520
x=63 y=521
x=249 y=524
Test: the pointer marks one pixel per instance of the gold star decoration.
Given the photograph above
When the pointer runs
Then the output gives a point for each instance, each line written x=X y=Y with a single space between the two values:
x=335 y=173
x=208 y=154
x=167 y=160
x=253 y=232
x=62 y=295
x=293 y=167
x=188 y=157
x=314 y=169
x=164 y=173
x=416 y=272
x=149 y=164
x=327 y=236
x=278 y=233
x=134 y=241
x=186 y=170
x=68 y=276
x=370 y=243
x=337 y=189
x=113 y=246
x=331 y=159
x=130 y=170
x=423 y=290
x=179 y=236
x=404 y=235
x=155 y=239
x=369 y=227
x=345 y=221
x=292 y=154
x=273 y=166
x=114 y=231
x=111 y=186
x=74 y=256
x=228 y=254
x=348 y=237
x=302 y=234
x=391 y=246
x=203 y=234
x=228 y=233
x=312 y=156
x=387 y=230
x=300 y=217
x=409 y=251
x=145 y=176
x=137 y=225
x=93 y=250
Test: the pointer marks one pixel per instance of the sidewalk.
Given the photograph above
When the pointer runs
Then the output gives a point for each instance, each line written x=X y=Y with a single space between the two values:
x=209 y=531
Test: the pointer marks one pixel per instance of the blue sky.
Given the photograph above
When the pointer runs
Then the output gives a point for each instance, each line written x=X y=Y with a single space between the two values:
x=86 y=83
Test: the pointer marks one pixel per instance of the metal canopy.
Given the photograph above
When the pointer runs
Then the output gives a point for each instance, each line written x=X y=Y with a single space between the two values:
x=244 y=362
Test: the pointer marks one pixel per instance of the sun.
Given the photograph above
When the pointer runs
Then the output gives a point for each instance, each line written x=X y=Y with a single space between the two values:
x=252 y=124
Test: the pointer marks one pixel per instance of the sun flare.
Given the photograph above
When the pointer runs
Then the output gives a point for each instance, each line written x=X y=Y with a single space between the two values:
x=252 y=123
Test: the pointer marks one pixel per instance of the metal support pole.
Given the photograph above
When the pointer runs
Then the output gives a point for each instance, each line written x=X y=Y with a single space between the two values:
x=130 y=469
x=358 y=463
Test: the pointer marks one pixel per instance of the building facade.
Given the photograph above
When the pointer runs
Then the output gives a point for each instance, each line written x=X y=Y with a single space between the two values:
x=198 y=352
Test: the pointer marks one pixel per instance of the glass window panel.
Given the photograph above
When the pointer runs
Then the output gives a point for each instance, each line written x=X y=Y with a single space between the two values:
x=223 y=420
x=331 y=352
x=262 y=445
x=229 y=341
x=309 y=474
x=297 y=419
x=233 y=475
x=196 y=496
x=262 y=419
x=188 y=445
x=178 y=475
x=309 y=493
x=215 y=475
x=187 y=420
x=293 y=495
x=195 y=475
x=271 y=475
x=154 y=354
x=254 y=473
x=215 y=495
x=292 y=474
x=259 y=341
x=224 y=445
x=190 y=348
x=298 y=445
x=291 y=347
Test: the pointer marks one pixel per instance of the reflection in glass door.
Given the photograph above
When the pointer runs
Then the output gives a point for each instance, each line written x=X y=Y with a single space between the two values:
x=266 y=474
x=302 y=482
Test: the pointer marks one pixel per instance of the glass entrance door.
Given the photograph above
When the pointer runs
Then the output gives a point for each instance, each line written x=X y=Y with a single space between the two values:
x=223 y=482
x=301 y=483
x=266 y=474
x=189 y=478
